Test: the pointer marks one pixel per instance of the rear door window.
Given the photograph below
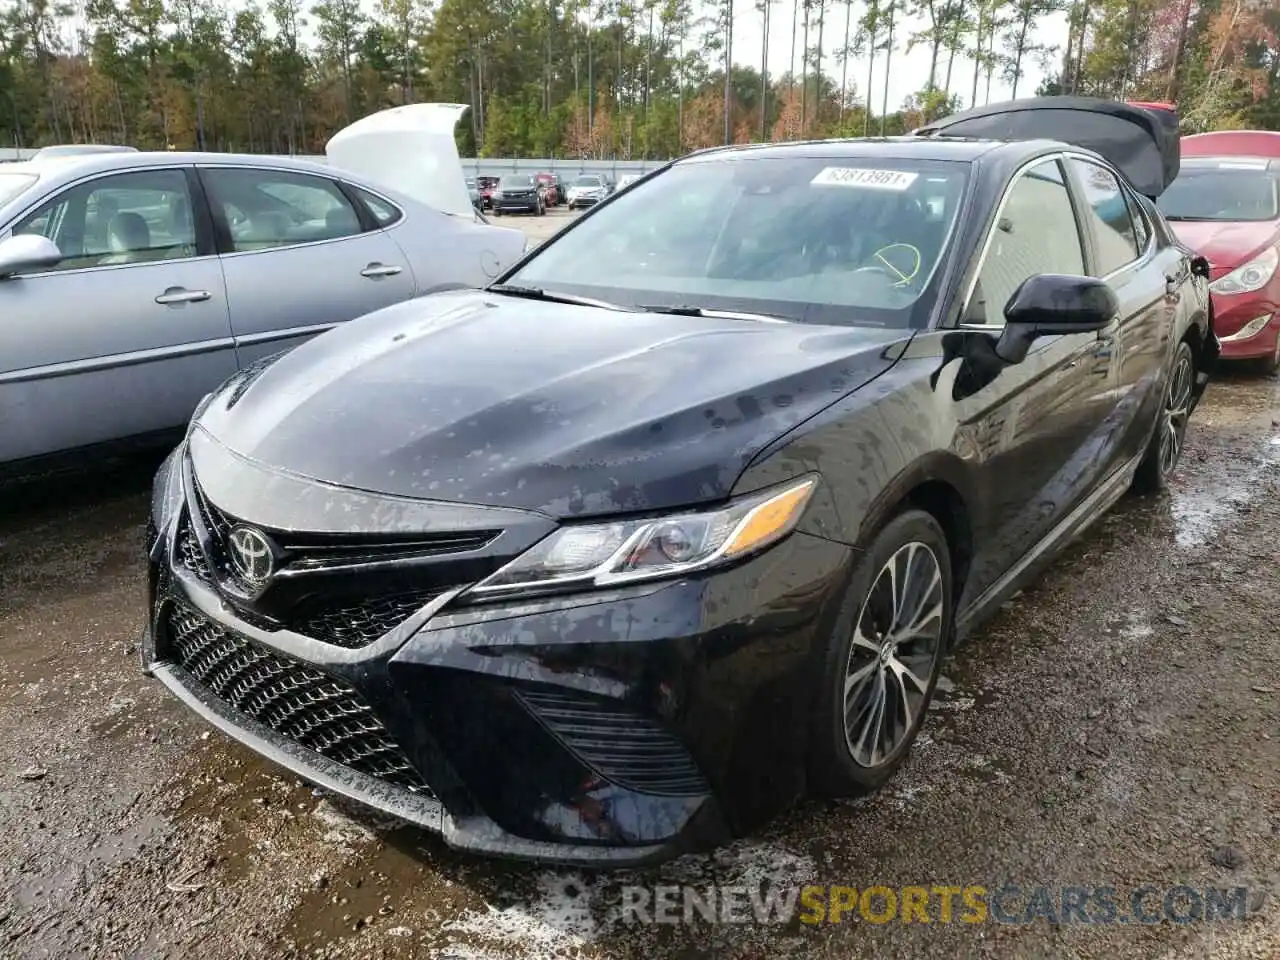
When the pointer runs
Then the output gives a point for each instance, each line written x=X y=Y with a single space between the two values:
x=266 y=209
x=1108 y=214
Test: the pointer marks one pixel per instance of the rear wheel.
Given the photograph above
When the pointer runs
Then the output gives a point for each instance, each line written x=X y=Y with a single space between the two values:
x=1165 y=449
x=883 y=659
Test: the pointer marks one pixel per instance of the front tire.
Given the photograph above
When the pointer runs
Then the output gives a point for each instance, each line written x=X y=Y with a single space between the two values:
x=883 y=659
x=1165 y=448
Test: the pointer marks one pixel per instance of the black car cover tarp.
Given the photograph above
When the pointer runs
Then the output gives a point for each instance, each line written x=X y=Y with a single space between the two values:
x=1142 y=142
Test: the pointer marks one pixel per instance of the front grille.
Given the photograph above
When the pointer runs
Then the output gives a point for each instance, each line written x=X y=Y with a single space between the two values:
x=621 y=745
x=354 y=624
x=311 y=708
x=189 y=553
x=342 y=622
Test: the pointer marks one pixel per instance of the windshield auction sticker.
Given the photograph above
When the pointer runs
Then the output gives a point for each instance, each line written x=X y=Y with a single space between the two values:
x=865 y=177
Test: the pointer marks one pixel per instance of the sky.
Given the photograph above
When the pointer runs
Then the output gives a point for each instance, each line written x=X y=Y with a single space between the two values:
x=910 y=71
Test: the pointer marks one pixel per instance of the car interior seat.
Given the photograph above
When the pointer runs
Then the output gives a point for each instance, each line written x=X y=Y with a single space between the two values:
x=129 y=239
x=341 y=222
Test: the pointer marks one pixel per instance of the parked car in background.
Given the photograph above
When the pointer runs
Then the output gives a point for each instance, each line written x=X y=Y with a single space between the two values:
x=518 y=193
x=588 y=189
x=628 y=180
x=486 y=186
x=131 y=284
x=553 y=192
x=1225 y=205
x=679 y=518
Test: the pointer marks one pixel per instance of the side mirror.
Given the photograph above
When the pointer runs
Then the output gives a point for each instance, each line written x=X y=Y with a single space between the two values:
x=27 y=251
x=1050 y=305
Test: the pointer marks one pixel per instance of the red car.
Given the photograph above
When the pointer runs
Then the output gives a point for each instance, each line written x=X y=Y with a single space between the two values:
x=1225 y=205
x=549 y=187
x=486 y=186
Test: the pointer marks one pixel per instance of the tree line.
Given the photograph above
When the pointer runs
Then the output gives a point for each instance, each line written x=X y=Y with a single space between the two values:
x=626 y=79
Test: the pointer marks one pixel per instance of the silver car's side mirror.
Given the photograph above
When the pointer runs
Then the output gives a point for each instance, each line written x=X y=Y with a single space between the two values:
x=25 y=252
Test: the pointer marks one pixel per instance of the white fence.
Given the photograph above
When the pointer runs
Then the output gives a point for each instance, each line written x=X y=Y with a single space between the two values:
x=494 y=167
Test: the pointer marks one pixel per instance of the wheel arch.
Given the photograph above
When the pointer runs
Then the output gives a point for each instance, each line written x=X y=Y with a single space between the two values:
x=1205 y=348
x=939 y=485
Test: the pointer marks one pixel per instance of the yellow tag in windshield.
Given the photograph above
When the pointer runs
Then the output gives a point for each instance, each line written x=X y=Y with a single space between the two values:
x=864 y=177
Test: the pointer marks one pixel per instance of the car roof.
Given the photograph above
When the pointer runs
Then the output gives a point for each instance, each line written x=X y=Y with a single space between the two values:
x=962 y=149
x=1232 y=161
x=76 y=165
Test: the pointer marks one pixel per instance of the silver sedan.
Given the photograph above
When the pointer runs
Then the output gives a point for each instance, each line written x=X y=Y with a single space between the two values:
x=131 y=284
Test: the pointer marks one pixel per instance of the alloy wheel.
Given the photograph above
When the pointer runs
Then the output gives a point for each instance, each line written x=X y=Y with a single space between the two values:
x=897 y=640
x=1177 y=407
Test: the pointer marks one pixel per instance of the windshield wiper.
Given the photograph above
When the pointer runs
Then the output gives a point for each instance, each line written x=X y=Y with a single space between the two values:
x=684 y=310
x=537 y=293
x=1173 y=217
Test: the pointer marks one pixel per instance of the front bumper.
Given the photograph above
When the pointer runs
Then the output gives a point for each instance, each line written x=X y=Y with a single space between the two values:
x=526 y=204
x=615 y=729
x=587 y=201
x=1248 y=325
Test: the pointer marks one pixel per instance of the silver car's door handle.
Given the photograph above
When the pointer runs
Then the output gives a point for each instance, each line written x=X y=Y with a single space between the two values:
x=375 y=270
x=183 y=295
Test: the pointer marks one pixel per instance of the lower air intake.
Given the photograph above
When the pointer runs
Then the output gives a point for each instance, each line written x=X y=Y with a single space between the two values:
x=619 y=744
x=314 y=709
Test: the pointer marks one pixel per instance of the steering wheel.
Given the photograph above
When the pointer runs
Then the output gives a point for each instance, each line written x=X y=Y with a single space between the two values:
x=902 y=270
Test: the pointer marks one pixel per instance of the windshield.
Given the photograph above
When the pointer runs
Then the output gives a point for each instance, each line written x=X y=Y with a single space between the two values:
x=848 y=241
x=12 y=184
x=1228 y=190
x=516 y=183
x=587 y=182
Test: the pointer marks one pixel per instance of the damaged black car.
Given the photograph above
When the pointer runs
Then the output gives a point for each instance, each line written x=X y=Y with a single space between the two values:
x=677 y=521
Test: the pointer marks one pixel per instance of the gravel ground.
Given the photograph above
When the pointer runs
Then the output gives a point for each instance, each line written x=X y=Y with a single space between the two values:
x=1117 y=724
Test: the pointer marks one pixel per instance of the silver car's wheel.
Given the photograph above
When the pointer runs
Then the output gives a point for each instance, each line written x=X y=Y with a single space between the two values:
x=897 y=640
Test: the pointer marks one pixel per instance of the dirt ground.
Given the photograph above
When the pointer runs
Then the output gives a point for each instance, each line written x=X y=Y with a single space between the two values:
x=1116 y=724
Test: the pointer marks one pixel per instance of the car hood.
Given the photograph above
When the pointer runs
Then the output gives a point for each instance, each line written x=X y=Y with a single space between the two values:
x=1226 y=244
x=409 y=149
x=473 y=397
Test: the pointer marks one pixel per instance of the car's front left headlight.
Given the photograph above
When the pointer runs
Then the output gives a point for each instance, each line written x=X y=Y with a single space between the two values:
x=1254 y=275
x=589 y=555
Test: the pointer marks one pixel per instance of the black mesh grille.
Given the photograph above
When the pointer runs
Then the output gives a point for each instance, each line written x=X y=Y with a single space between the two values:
x=356 y=624
x=622 y=746
x=217 y=522
x=190 y=555
x=344 y=623
x=314 y=709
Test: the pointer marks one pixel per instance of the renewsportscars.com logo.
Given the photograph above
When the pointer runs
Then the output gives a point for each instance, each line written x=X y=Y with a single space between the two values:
x=971 y=904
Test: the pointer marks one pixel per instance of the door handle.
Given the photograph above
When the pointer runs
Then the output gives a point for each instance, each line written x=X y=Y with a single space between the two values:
x=375 y=270
x=182 y=295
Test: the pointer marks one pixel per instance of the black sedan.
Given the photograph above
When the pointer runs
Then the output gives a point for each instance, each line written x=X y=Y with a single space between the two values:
x=677 y=522
x=518 y=193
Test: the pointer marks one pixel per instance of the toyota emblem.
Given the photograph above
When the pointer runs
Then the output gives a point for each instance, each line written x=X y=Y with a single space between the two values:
x=251 y=555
